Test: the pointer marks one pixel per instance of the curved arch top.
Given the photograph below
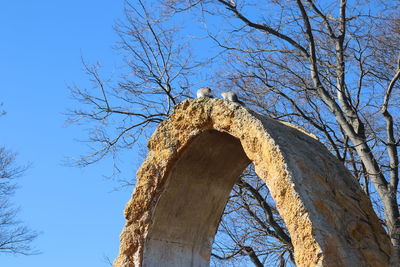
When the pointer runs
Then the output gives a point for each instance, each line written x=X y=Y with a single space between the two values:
x=195 y=158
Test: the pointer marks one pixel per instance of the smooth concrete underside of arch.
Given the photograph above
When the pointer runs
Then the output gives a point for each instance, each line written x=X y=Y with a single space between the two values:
x=189 y=209
x=195 y=158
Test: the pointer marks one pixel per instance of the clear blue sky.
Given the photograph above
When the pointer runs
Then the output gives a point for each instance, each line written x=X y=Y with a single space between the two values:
x=75 y=209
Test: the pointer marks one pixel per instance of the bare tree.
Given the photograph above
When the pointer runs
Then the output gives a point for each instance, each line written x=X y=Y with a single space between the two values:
x=158 y=71
x=331 y=67
x=334 y=68
x=14 y=236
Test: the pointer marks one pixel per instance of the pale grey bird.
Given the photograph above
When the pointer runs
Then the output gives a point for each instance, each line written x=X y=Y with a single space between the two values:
x=231 y=96
x=204 y=92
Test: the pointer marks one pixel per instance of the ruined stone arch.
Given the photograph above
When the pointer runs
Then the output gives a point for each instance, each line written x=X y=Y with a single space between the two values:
x=194 y=159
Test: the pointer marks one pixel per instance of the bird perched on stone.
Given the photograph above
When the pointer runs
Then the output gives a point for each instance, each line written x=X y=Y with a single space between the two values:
x=231 y=96
x=204 y=92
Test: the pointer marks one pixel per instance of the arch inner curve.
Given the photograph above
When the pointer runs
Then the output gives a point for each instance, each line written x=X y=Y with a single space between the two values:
x=189 y=209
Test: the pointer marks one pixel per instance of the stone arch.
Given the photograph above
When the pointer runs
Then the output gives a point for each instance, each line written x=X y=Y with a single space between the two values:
x=194 y=159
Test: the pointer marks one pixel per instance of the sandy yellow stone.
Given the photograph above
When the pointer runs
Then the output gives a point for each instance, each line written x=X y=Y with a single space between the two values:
x=330 y=220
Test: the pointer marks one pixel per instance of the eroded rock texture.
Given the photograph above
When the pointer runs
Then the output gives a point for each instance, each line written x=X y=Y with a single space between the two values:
x=194 y=159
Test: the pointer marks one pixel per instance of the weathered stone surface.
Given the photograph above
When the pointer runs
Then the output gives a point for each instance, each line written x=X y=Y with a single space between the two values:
x=194 y=159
